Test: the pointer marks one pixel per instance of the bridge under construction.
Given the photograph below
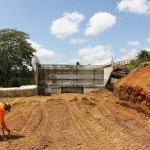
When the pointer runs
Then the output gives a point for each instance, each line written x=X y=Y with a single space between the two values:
x=76 y=78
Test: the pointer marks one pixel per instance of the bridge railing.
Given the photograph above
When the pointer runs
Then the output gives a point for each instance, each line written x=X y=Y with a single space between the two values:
x=122 y=63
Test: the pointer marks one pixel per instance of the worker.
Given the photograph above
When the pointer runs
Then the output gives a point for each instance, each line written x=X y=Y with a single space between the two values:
x=4 y=107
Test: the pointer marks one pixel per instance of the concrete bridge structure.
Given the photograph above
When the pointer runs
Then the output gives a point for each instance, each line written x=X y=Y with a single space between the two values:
x=119 y=70
x=121 y=63
x=68 y=78
x=76 y=78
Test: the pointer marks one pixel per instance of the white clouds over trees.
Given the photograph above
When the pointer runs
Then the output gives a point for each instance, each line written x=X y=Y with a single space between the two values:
x=132 y=53
x=41 y=52
x=135 y=6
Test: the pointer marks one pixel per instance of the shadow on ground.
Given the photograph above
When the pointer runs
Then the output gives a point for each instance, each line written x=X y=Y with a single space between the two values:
x=12 y=137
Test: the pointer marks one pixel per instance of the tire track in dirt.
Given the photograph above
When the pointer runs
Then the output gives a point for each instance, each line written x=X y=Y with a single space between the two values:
x=15 y=121
x=63 y=133
x=130 y=129
x=86 y=123
x=126 y=124
x=123 y=133
x=116 y=134
x=52 y=134
x=76 y=123
x=20 y=118
x=87 y=138
x=44 y=140
x=116 y=131
x=38 y=130
x=31 y=121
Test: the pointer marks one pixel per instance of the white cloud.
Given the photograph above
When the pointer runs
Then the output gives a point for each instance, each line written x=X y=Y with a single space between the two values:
x=147 y=49
x=67 y=25
x=103 y=61
x=133 y=43
x=74 y=61
x=95 y=55
x=148 y=40
x=77 y=41
x=135 y=6
x=99 y=22
x=130 y=54
x=123 y=50
x=45 y=54
x=42 y=53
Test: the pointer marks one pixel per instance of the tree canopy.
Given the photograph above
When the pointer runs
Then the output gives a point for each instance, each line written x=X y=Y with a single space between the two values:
x=142 y=56
x=16 y=53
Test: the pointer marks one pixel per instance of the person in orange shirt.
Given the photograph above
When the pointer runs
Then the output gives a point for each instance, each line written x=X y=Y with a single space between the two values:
x=4 y=107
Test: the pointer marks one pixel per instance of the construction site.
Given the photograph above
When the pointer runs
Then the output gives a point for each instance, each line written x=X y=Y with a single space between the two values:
x=79 y=107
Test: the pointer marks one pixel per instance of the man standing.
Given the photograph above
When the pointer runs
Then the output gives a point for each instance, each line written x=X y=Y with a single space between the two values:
x=4 y=107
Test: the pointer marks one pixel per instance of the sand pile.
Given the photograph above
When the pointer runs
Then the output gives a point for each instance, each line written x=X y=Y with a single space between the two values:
x=135 y=87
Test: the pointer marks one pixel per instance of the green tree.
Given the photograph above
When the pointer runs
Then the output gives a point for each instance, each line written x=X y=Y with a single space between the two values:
x=134 y=63
x=143 y=55
x=16 y=53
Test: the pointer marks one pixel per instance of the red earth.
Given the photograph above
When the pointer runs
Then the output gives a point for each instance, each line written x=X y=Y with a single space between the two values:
x=134 y=89
x=93 y=121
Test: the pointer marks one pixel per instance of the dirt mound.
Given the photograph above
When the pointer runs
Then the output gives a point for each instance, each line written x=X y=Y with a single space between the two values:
x=93 y=121
x=136 y=88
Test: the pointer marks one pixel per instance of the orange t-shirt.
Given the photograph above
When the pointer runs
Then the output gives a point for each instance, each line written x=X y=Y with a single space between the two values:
x=2 y=114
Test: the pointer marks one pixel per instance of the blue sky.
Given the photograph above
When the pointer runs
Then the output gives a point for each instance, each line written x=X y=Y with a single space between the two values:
x=88 y=31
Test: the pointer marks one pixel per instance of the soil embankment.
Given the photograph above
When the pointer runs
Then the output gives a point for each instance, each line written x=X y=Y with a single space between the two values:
x=94 y=121
x=135 y=90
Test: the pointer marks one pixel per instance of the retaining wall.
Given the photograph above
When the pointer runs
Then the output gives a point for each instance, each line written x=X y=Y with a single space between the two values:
x=19 y=91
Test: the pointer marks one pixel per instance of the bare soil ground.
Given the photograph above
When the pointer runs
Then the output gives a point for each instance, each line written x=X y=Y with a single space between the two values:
x=135 y=90
x=94 y=121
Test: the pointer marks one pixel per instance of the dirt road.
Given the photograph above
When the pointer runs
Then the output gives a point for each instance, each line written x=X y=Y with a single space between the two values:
x=75 y=122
